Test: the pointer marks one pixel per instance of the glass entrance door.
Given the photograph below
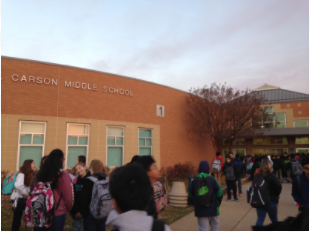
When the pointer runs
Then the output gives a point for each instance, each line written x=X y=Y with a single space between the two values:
x=240 y=151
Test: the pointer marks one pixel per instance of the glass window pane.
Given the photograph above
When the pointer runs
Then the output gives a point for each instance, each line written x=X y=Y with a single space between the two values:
x=225 y=152
x=280 y=125
x=258 y=141
x=73 y=153
x=83 y=140
x=115 y=131
x=268 y=124
x=149 y=142
x=267 y=140
x=119 y=140
x=302 y=140
x=239 y=142
x=303 y=151
x=241 y=152
x=280 y=117
x=32 y=127
x=259 y=152
x=31 y=152
x=145 y=133
x=270 y=152
x=38 y=139
x=301 y=123
x=111 y=140
x=25 y=139
x=72 y=140
x=115 y=156
x=78 y=129
x=141 y=142
x=145 y=151
x=269 y=110
x=225 y=142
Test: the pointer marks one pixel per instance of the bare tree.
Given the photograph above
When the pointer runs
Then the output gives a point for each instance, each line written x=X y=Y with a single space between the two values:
x=220 y=112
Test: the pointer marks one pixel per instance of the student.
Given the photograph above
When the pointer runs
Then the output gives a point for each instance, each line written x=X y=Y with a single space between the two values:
x=285 y=160
x=274 y=189
x=231 y=156
x=36 y=173
x=277 y=168
x=149 y=165
x=80 y=159
x=77 y=224
x=98 y=171
x=207 y=215
x=239 y=170
x=229 y=172
x=62 y=186
x=217 y=167
x=249 y=165
x=300 y=188
x=256 y=166
x=293 y=167
x=130 y=191
x=134 y=159
x=21 y=191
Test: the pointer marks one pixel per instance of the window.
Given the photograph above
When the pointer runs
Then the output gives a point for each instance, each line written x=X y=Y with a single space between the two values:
x=270 y=141
x=276 y=121
x=280 y=120
x=115 y=146
x=301 y=123
x=31 y=142
x=269 y=151
x=302 y=151
x=77 y=142
x=302 y=140
x=145 y=142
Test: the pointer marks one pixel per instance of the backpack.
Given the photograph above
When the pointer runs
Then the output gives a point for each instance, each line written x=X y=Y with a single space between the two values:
x=159 y=196
x=9 y=183
x=258 y=194
x=230 y=174
x=296 y=168
x=203 y=191
x=249 y=166
x=101 y=203
x=40 y=207
x=239 y=168
x=216 y=166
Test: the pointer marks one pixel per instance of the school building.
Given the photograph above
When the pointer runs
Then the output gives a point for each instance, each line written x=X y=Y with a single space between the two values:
x=286 y=131
x=85 y=112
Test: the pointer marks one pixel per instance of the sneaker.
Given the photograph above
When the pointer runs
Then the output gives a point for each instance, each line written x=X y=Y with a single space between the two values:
x=228 y=199
x=237 y=199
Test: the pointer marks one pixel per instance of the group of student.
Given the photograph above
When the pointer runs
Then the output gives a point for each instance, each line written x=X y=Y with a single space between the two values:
x=124 y=199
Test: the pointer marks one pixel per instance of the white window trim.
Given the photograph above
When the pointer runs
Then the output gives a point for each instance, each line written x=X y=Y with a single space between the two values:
x=107 y=146
x=71 y=145
x=29 y=145
x=141 y=128
x=301 y=120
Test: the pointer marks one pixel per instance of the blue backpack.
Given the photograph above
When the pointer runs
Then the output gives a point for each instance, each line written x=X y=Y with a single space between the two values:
x=9 y=184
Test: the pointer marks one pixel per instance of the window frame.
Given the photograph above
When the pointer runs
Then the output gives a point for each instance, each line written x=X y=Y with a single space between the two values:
x=300 y=143
x=267 y=148
x=29 y=145
x=143 y=128
x=71 y=145
x=107 y=146
x=301 y=120
x=300 y=148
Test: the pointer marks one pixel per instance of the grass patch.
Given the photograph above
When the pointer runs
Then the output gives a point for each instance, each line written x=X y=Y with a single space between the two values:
x=169 y=215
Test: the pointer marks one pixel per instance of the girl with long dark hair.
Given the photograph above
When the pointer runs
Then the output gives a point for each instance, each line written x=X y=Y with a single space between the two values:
x=62 y=186
x=21 y=191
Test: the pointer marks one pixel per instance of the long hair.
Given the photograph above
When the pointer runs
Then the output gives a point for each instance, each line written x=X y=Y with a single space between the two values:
x=265 y=169
x=49 y=171
x=97 y=166
x=27 y=171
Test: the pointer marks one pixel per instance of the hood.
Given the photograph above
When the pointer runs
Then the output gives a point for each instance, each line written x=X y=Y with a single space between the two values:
x=204 y=167
x=99 y=175
x=133 y=220
x=219 y=157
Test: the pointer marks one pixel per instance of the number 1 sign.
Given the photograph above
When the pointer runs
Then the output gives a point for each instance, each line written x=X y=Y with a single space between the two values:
x=160 y=110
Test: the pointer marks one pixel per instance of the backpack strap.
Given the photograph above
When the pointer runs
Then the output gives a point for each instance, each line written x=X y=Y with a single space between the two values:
x=299 y=184
x=93 y=179
x=158 y=225
x=59 y=201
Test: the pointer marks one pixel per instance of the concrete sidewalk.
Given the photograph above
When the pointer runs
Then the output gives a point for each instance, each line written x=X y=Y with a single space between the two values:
x=240 y=216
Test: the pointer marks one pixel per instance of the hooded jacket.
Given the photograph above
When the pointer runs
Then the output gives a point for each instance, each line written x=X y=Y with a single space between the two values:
x=133 y=220
x=86 y=193
x=213 y=209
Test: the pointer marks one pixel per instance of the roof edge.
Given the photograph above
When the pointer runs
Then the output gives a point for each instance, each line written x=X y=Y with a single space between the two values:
x=91 y=70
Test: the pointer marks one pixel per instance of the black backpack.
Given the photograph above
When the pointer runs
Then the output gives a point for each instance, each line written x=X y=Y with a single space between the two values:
x=258 y=194
x=296 y=168
x=204 y=191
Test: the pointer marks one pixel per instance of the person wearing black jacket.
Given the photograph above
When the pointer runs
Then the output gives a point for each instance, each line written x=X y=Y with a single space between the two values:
x=256 y=166
x=277 y=167
x=229 y=171
x=274 y=189
x=75 y=212
x=98 y=171
x=289 y=167
x=285 y=160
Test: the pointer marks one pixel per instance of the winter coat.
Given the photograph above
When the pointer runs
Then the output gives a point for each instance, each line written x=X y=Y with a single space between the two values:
x=276 y=164
x=20 y=189
x=303 y=198
x=86 y=193
x=78 y=186
x=213 y=209
x=238 y=167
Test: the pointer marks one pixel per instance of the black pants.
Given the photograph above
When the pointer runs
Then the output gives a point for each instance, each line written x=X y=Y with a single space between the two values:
x=231 y=185
x=18 y=213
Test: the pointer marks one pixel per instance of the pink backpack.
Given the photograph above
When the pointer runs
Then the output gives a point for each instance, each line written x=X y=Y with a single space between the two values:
x=40 y=207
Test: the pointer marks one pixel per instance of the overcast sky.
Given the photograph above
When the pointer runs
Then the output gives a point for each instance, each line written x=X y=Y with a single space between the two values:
x=178 y=43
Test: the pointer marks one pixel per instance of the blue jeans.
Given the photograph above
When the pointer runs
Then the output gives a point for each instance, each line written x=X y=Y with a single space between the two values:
x=92 y=224
x=271 y=209
x=58 y=223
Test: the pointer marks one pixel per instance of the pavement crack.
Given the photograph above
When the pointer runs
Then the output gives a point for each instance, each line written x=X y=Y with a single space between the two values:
x=240 y=220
